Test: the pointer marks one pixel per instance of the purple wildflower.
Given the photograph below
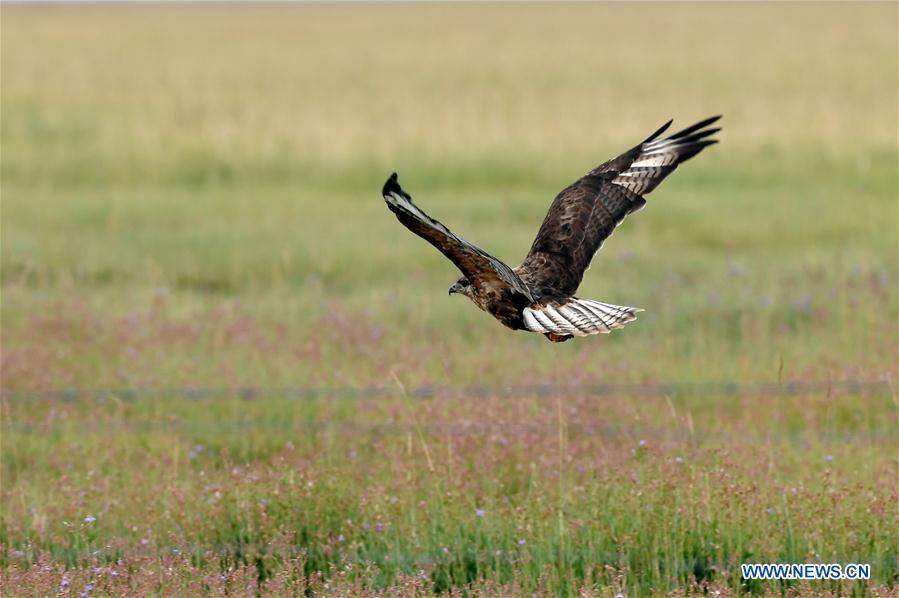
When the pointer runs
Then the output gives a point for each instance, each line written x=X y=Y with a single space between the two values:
x=803 y=304
x=521 y=542
x=90 y=519
x=263 y=501
x=480 y=512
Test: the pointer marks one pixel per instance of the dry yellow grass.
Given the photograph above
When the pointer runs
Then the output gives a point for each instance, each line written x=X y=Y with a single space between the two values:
x=148 y=85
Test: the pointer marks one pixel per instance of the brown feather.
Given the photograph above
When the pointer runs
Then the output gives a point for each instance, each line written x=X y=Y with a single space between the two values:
x=584 y=214
x=498 y=289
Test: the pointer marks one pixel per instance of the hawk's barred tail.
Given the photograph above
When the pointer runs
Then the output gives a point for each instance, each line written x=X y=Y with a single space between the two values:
x=579 y=317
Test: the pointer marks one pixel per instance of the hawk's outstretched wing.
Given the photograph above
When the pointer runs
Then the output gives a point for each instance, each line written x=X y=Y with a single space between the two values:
x=585 y=213
x=479 y=267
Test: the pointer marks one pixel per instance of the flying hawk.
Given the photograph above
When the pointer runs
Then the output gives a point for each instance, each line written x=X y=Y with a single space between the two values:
x=538 y=295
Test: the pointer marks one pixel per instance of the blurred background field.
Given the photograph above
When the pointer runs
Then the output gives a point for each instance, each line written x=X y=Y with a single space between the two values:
x=190 y=207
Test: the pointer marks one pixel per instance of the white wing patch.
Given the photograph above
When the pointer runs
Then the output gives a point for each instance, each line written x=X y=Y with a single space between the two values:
x=398 y=200
x=579 y=317
x=659 y=158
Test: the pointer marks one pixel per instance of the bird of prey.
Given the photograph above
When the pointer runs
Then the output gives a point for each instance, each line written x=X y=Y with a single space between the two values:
x=538 y=295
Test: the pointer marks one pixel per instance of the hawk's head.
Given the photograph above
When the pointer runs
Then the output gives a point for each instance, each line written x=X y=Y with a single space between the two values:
x=462 y=286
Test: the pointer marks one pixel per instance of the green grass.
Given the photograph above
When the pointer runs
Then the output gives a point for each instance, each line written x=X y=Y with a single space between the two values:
x=190 y=200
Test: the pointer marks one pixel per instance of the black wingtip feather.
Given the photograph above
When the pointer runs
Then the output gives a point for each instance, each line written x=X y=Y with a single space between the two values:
x=697 y=136
x=689 y=150
x=392 y=186
x=700 y=125
x=661 y=130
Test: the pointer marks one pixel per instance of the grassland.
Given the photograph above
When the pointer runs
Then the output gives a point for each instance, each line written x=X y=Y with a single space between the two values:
x=274 y=393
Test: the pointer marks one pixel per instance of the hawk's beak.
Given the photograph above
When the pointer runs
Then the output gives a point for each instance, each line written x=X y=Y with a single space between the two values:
x=455 y=288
